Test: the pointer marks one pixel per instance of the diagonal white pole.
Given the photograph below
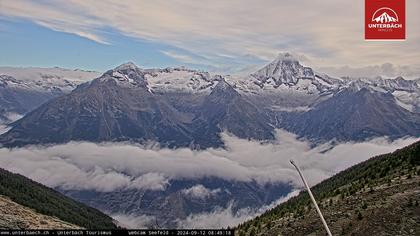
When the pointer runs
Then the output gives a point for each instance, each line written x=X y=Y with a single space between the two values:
x=312 y=198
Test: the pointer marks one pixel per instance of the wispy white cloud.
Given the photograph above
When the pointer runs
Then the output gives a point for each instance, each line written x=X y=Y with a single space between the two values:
x=151 y=181
x=201 y=192
x=323 y=31
x=387 y=70
x=56 y=16
x=191 y=59
x=180 y=57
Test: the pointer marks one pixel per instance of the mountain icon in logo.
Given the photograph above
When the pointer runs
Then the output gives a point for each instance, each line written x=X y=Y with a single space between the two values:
x=388 y=15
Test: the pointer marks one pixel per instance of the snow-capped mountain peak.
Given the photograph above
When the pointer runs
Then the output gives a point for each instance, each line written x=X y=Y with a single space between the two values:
x=125 y=75
x=285 y=73
x=126 y=66
x=285 y=69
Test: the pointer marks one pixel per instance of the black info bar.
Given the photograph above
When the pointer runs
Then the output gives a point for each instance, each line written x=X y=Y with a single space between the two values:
x=145 y=232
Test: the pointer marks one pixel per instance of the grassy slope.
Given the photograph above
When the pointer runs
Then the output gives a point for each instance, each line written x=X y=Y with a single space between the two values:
x=50 y=202
x=378 y=197
x=16 y=216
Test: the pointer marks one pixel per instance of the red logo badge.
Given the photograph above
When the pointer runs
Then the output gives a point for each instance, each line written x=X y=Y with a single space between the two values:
x=384 y=19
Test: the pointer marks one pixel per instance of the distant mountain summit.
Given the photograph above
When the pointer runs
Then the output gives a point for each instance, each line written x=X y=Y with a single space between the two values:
x=285 y=69
x=127 y=74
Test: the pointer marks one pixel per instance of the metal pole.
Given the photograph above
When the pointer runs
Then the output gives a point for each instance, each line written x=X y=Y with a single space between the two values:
x=312 y=198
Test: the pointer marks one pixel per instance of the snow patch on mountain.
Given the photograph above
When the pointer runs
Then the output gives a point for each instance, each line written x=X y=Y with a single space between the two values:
x=407 y=100
x=44 y=79
x=291 y=109
x=181 y=80
x=4 y=129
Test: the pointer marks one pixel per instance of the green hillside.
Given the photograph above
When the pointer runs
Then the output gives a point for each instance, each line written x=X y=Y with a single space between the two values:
x=50 y=202
x=380 y=196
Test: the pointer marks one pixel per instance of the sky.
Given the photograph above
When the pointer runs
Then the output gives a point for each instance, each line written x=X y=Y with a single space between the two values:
x=222 y=36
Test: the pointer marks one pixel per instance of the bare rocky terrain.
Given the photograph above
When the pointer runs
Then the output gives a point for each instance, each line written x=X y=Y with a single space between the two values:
x=16 y=216
x=26 y=204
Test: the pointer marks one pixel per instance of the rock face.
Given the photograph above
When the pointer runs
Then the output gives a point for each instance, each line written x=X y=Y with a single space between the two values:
x=354 y=115
x=15 y=216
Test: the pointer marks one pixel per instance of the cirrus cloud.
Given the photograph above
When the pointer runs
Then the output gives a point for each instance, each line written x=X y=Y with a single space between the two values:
x=218 y=30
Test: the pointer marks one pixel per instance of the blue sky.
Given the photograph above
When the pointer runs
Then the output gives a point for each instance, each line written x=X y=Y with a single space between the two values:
x=27 y=44
x=223 y=36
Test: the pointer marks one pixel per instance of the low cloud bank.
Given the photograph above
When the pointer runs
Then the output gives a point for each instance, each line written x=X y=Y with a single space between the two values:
x=216 y=219
x=225 y=217
x=112 y=166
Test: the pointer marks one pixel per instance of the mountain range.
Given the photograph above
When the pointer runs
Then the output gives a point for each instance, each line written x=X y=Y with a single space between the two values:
x=24 y=89
x=179 y=107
